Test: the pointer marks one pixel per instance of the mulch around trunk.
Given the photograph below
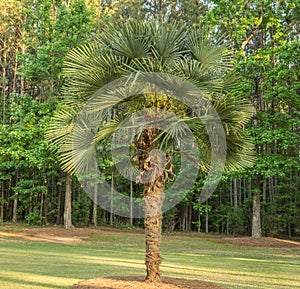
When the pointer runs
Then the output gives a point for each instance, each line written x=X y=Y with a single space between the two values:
x=138 y=283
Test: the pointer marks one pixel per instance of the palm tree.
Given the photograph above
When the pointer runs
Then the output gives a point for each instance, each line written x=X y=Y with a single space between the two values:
x=135 y=50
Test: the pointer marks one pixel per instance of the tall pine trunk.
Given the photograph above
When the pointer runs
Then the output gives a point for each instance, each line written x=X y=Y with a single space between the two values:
x=131 y=204
x=206 y=217
x=111 y=214
x=58 y=217
x=2 y=204
x=15 y=204
x=95 y=203
x=256 y=226
x=68 y=203
x=15 y=208
x=256 y=222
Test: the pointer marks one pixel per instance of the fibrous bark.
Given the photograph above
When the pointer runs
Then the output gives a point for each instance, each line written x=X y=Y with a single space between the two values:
x=151 y=174
x=153 y=200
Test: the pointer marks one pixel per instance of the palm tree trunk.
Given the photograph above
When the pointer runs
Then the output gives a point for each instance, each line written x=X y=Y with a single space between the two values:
x=153 y=201
x=152 y=176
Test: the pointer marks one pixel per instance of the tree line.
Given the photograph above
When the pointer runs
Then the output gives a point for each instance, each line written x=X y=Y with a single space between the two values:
x=35 y=39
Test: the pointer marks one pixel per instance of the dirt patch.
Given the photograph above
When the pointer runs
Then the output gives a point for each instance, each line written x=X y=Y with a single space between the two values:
x=138 y=283
x=51 y=234
x=266 y=242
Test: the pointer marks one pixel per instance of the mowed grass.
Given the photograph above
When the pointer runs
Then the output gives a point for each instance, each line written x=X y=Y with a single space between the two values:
x=40 y=265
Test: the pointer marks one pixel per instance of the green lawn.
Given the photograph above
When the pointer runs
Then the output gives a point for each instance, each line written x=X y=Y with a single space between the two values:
x=40 y=265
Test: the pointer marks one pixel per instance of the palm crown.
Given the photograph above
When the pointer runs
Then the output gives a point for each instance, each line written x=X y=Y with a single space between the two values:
x=196 y=55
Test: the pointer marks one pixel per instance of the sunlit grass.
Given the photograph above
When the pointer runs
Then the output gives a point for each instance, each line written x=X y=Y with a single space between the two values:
x=27 y=264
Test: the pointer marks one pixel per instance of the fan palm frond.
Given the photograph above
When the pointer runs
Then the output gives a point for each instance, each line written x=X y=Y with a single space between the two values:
x=193 y=55
x=107 y=130
x=199 y=74
x=61 y=125
x=210 y=49
x=130 y=39
x=167 y=40
x=97 y=68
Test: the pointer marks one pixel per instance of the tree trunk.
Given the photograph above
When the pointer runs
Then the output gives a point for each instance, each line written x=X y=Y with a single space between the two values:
x=244 y=189
x=249 y=188
x=58 y=217
x=291 y=202
x=206 y=218
x=95 y=202
x=227 y=225
x=264 y=190
x=220 y=204
x=22 y=77
x=111 y=215
x=42 y=206
x=256 y=223
x=235 y=194
x=151 y=174
x=235 y=204
x=15 y=208
x=231 y=193
x=190 y=215
x=2 y=204
x=46 y=202
x=68 y=203
x=271 y=190
x=131 y=204
x=15 y=205
x=199 y=216
x=153 y=200
x=4 y=61
x=183 y=219
x=256 y=226
x=240 y=192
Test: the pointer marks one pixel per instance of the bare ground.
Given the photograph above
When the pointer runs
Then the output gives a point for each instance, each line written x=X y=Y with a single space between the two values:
x=264 y=242
x=52 y=234
x=137 y=283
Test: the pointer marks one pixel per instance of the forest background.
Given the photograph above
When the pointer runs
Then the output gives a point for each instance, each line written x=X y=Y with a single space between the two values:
x=36 y=35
